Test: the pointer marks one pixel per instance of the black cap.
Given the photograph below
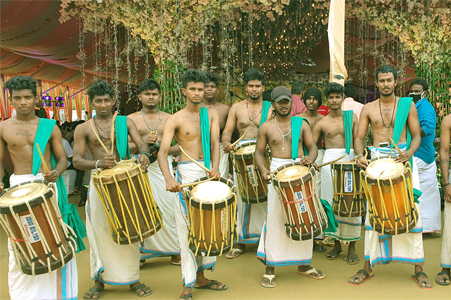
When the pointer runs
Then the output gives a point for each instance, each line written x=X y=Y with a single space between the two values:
x=281 y=92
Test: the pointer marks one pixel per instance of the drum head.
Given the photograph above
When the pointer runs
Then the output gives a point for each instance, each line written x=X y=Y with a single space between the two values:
x=23 y=193
x=292 y=172
x=119 y=168
x=385 y=168
x=211 y=192
x=249 y=149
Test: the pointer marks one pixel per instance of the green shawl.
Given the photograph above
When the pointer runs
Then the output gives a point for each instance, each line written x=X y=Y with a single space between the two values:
x=402 y=112
x=296 y=125
x=265 y=110
x=122 y=137
x=205 y=133
x=348 y=116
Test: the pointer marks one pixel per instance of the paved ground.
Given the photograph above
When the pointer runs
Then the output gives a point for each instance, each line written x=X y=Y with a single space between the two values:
x=243 y=276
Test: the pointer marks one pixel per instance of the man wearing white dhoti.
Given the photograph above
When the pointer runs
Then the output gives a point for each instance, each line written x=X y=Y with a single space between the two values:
x=247 y=115
x=150 y=122
x=210 y=102
x=111 y=263
x=404 y=128
x=443 y=277
x=196 y=129
x=292 y=134
x=20 y=136
x=338 y=129
x=425 y=158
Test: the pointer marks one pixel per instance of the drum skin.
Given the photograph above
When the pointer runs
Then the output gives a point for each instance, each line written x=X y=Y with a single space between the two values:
x=38 y=206
x=347 y=204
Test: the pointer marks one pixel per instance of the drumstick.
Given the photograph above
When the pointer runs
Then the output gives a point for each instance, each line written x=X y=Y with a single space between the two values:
x=396 y=146
x=112 y=132
x=193 y=160
x=95 y=132
x=44 y=165
x=330 y=162
x=194 y=183
x=239 y=140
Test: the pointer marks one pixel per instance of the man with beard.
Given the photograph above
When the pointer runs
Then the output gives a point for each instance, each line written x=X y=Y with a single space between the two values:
x=405 y=130
x=150 y=122
x=110 y=263
x=286 y=136
x=196 y=129
x=209 y=101
x=338 y=129
x=19 y=136
x=249 y=115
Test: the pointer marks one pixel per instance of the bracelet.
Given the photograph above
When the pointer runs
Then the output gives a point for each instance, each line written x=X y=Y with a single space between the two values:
x=97 y=162
x=57 y=173
x=358 y=156
x=446 y=184
x=146 y=154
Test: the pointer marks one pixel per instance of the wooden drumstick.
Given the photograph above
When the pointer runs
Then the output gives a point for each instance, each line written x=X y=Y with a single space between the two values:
x=330 y=162
x=44 y=165
x=195 y=183
x=396 y=146
x=112 y=132
x=239 y=140
x=97 y=136
x=193 y=160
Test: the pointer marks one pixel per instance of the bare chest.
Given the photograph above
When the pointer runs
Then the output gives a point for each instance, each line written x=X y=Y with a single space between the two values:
x=18 y=137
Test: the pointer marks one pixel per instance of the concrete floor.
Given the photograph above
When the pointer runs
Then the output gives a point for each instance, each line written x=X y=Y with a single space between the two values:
x=243 y=276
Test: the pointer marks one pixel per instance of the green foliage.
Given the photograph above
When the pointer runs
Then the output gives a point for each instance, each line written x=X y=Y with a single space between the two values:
x=168 y=75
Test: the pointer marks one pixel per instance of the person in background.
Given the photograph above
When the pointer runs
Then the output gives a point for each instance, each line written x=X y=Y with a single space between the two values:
x=297 y=93
x=349 y=103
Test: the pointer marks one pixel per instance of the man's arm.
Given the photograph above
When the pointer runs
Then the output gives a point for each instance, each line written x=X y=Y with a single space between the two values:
x=2 y=157
x=316 y=134
x=445 y=133
x=414 y=127
x=168 y=135
x=214 y=144
x=260 y=147
x=428 y=121
x=310 y=143
x=228 y=129
x=138 y=141
x=362 y=127
x=56 y=144
x=355 y=126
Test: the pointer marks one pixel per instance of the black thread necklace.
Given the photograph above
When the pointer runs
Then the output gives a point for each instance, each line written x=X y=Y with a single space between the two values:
x=393 y=113
x=249 y=116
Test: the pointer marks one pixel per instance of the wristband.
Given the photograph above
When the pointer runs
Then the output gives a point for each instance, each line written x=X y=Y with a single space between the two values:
x=146 y=154
x=57 y=173
x=97 y=162
x=446 y=184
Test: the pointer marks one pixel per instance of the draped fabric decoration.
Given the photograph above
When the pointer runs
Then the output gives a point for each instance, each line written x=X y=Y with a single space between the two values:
x=78 y=103
x=88 y=107
x=336 y=34
x=2 y=100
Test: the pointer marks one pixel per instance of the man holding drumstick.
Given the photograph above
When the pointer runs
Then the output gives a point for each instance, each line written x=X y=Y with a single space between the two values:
x=405 y=130
x=110 y=263
x=196 y=130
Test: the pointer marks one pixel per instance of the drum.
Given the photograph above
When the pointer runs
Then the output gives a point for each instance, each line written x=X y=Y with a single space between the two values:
x=129 y=205
x=304 y=214
x=348 y=192
x=251 y=186
x=40 y=240
x=388 y=188
x=212 y=217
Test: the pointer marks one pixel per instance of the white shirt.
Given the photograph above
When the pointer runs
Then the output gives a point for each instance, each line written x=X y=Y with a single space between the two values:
x=68 y=150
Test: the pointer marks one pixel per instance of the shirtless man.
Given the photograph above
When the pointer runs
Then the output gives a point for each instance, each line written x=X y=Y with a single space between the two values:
x=281 y=134
x=18 y=136
x=248 y=115
x=380 y=114
x=188 y=127
x=332 y=129
x=110 y=263
x=209 y=101
x=150 y=122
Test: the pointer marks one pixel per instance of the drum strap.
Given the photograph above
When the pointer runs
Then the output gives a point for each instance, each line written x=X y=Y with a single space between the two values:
x=348 y=116
x=205 y=133
x=402 y=112
x=265 y=110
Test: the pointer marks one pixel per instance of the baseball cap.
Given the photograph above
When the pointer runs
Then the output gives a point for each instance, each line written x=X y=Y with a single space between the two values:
x=281 y=92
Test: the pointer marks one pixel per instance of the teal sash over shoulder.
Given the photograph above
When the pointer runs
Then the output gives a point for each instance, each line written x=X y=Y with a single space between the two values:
x=68 y=210
x=331 y=220
x=348 y=115
x=122 y=137
x=296 y=124
x=205 y=132
x=265 y=110
x=402 y=112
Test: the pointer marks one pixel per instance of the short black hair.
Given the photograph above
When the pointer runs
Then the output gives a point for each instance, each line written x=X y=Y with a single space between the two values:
x=193 y=76
x=21 y=82
x=333 y=87
x=422 y=82
x=297 y=87
x=149 y=84
x=212 y=77
x=254 y=74
x=349 y=90
x=100 y=88
x=387 y=69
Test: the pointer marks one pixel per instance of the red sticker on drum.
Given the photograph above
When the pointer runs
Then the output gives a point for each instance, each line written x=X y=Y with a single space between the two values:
x=30 y=228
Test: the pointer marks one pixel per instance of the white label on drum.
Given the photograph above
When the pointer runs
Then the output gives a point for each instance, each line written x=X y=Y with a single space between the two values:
x=348 y=181
x=250 y=170
x=30 y=229
x=301 y=203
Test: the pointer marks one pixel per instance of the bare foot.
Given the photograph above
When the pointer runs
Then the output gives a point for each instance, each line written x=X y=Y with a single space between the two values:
x=176 y=259
x=95 y=291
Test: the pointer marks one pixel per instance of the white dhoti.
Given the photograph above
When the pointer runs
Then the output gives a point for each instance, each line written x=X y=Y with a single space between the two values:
x=223 y=162
x=405 y=248
x=275 y=247
x=349 y=228
x=188 y=172
x=430 y=199
x=165 y=242
x=250 y=217
x=445 y=261
x=111 y=263
x=318 y=161
x=59 y=284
